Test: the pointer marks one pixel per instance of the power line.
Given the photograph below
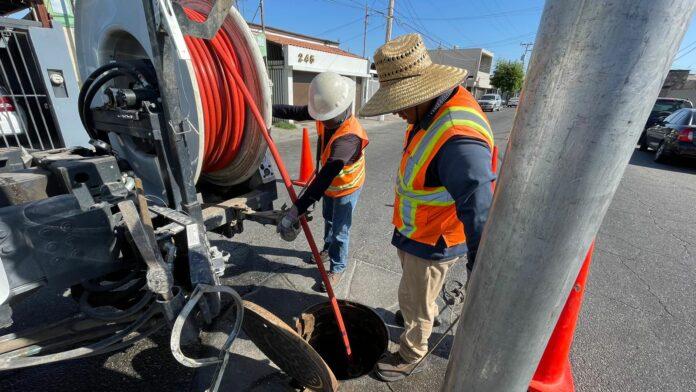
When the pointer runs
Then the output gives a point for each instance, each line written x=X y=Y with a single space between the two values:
x=455 y=26
x=685 y=53
x=494 y=22
x=340 y=26
x=507 y=19
x=368 y=31
x=500 y=14
x=686 y=47
x=255 y=13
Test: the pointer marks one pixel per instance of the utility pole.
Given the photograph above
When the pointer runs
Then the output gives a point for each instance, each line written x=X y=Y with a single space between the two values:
x=365 y=29
x=555 y=187
x=263 y=23
x=390 y=19
x=527 y=48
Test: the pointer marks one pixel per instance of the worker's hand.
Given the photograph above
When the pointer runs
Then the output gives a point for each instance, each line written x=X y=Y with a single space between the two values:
x=289 y=226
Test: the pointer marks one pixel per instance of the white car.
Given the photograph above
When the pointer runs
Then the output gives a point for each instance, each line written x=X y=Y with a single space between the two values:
x=513 y=101
x=13 y=121
x=490 y=102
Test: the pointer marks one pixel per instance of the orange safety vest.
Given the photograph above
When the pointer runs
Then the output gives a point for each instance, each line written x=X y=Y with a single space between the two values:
x=352 y=176
x=422 y=213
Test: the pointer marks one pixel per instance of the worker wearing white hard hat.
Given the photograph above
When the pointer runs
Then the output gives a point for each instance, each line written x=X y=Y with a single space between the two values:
x=340 y=146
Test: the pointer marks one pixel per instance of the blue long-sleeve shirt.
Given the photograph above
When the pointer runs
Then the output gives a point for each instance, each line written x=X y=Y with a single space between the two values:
x=463 y=167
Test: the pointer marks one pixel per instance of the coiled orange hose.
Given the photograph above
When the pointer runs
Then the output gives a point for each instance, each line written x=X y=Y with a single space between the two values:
x=224 y=110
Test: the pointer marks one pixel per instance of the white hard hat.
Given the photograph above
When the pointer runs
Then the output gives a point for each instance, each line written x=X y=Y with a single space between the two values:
x=330 y=94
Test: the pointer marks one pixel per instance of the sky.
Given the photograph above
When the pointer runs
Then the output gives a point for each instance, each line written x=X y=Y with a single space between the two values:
x=496 y=25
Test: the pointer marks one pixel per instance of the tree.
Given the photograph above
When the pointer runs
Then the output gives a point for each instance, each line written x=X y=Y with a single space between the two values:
x=508 y=76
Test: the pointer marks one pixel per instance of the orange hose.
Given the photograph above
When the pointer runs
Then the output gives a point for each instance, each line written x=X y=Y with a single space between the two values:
x=223 y=105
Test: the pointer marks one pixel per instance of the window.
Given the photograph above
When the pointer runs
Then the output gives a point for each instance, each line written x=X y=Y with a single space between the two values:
x=668 y=105
x=672 y=118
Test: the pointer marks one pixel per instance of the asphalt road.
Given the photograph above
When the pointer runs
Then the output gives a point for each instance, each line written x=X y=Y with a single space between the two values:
x=637 y=329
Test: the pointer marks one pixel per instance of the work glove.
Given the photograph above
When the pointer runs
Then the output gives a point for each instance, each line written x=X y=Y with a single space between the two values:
x=289 y=226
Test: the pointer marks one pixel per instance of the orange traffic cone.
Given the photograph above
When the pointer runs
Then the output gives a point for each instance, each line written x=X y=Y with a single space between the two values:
x=306 y=161
x=554 y=373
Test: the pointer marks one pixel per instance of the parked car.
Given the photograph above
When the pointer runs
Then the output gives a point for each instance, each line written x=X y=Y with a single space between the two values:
x=663 y=107
x=490 y=102
x=514 y=101
x=673 y=136
x=13 y=121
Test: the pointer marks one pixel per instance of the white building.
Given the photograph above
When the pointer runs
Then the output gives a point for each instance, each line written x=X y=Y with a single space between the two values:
x=477 y=61
x=294 y=59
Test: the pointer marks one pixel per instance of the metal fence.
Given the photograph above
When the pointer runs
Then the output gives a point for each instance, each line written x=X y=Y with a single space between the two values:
x=26 y=118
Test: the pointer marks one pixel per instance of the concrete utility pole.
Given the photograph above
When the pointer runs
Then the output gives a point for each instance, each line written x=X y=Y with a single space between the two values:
x=390 y=19
x=527 y=48
x=588 y=92
x=367 y=14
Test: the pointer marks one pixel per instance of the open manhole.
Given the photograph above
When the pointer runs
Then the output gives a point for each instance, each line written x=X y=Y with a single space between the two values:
x=314 y=355
x=369 y=337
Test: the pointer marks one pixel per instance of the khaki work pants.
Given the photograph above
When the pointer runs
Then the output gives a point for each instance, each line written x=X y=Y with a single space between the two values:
x=421 y=283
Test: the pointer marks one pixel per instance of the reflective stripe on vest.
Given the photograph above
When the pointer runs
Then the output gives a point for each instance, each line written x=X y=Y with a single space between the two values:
x=454 y=116
x=433 y=208
x=358 y=165
x=352 y=176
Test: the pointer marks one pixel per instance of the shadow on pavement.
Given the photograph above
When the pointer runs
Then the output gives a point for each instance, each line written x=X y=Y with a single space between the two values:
x=142 y=371
x=675 y=164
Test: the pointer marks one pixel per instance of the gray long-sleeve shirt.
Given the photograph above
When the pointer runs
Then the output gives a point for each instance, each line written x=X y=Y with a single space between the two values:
x=463 y=167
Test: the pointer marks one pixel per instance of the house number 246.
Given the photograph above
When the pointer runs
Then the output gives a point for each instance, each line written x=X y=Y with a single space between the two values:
x=306 y=58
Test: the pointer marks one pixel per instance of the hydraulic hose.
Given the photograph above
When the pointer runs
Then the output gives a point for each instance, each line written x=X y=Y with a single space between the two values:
x=94 y=82
x=215 y=58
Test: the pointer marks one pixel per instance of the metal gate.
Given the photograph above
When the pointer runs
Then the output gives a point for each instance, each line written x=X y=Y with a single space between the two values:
x=26 y=118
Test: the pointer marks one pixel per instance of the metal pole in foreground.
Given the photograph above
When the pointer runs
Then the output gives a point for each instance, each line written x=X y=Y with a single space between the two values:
x=595 y=72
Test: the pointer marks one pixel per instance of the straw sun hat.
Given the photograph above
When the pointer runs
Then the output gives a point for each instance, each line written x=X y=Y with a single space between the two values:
x=407 y=76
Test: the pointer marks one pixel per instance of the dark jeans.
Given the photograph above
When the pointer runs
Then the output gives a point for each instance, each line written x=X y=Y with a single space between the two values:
x=338 y=217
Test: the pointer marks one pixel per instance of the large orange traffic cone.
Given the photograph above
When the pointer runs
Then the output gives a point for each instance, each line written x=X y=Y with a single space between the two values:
x=554 y=373
x=306 y=161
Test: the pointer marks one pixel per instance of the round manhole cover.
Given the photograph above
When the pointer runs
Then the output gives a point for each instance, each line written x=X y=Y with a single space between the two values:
x=287 y=349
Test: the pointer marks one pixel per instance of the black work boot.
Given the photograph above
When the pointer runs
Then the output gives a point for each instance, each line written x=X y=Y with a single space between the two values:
x=392 y=367
x=399 y=319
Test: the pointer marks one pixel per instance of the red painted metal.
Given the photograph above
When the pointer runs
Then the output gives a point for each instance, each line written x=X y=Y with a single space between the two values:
x=554 y=373
x=494 y=165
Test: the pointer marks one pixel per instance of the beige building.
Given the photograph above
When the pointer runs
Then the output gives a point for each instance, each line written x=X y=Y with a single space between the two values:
x=477 y=61
x=679 y=84
x=294 y=59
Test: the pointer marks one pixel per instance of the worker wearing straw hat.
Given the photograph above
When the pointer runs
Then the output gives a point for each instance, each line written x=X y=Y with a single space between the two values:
x=443 y=186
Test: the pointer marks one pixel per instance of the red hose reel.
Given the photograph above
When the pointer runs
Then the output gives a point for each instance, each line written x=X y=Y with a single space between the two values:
x=224 y=109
